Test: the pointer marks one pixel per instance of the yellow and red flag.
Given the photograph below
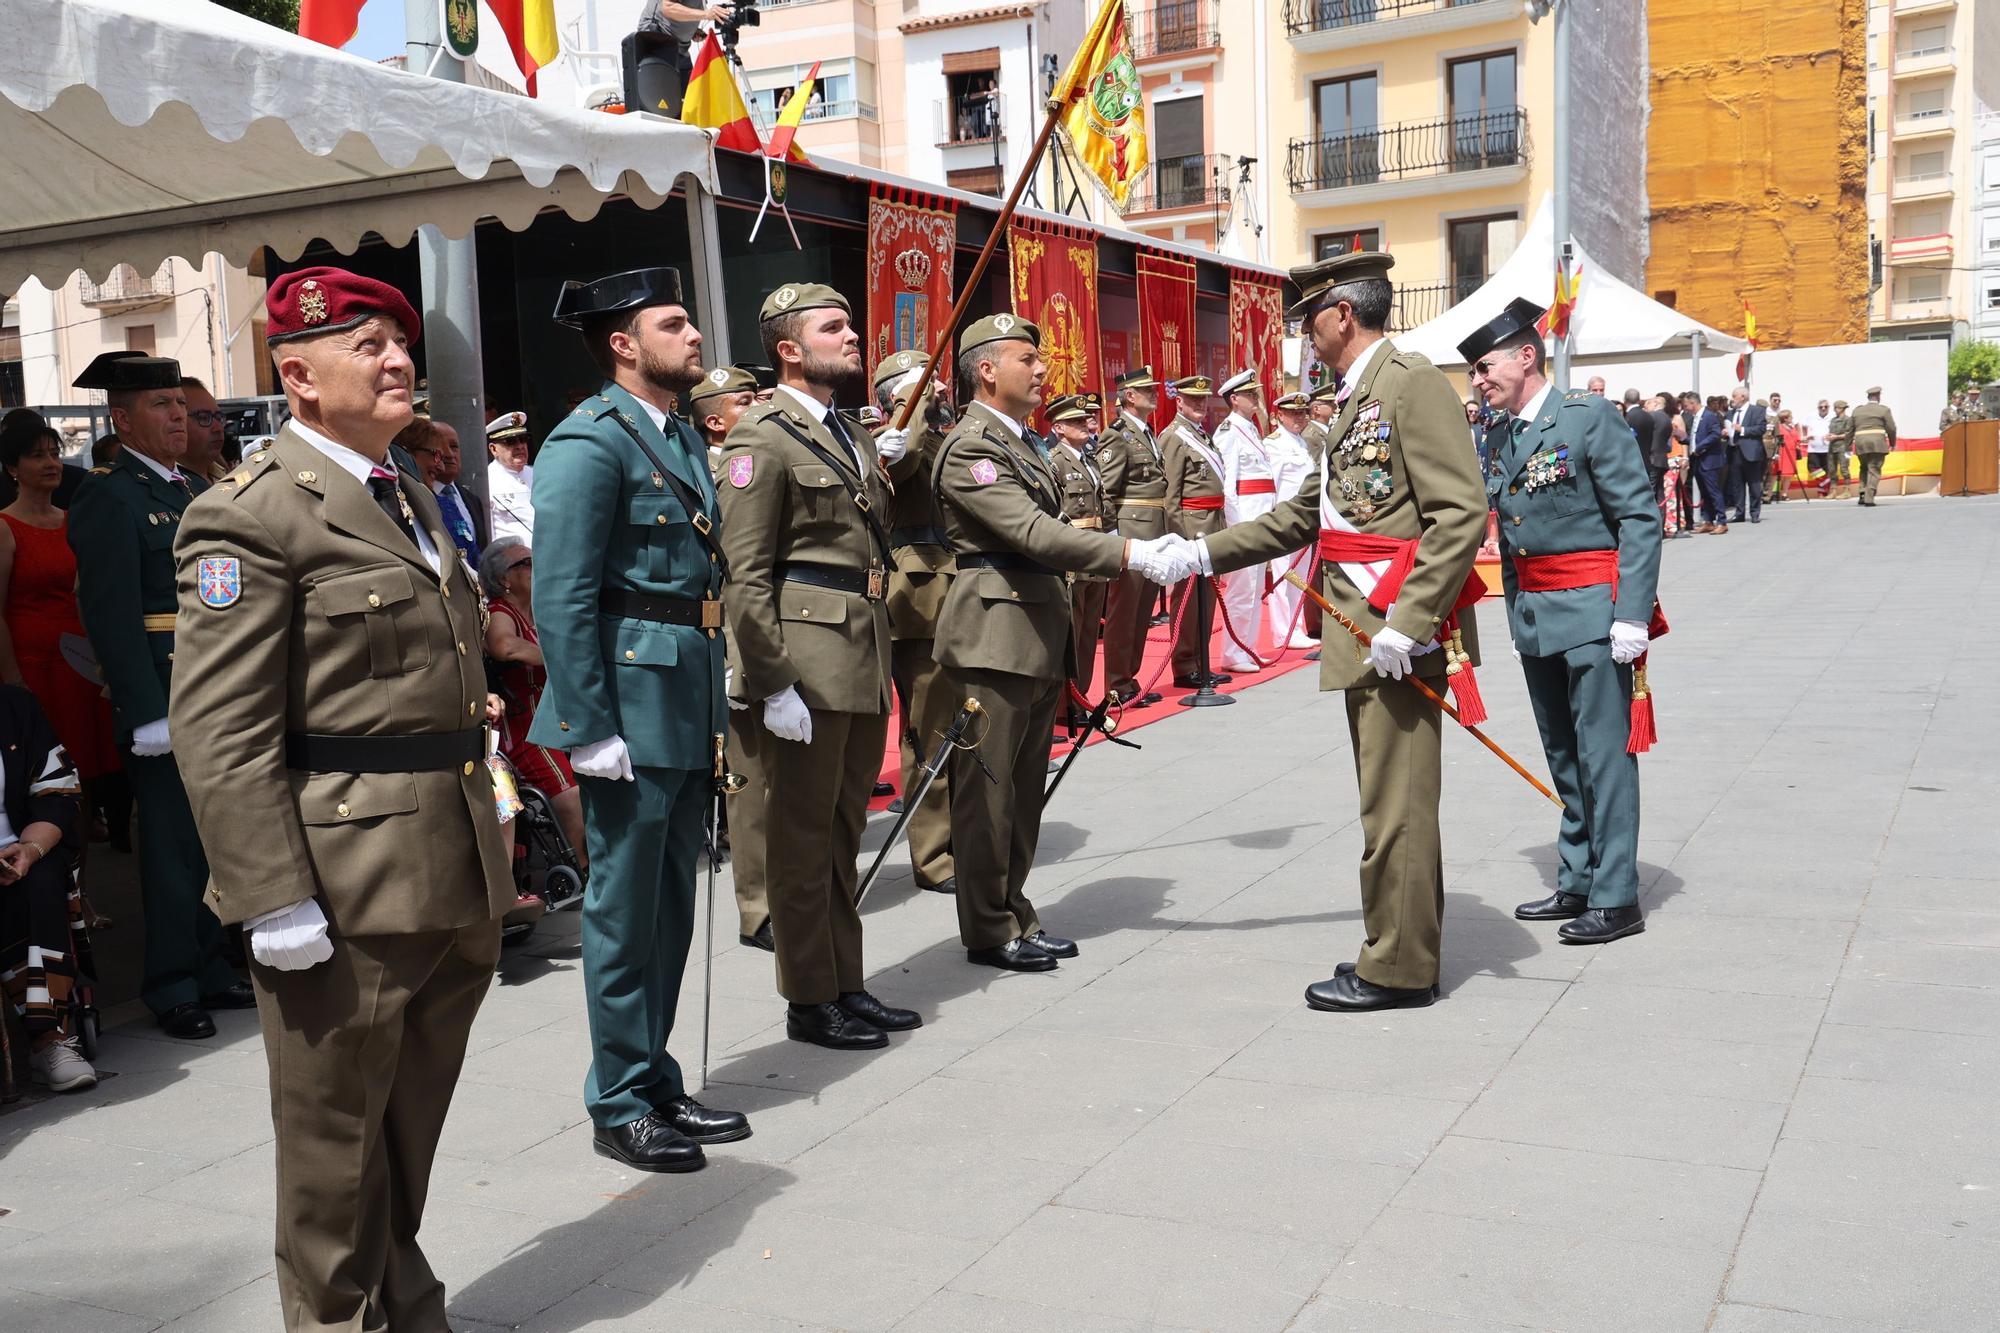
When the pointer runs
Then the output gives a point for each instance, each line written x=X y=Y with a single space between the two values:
x=1103 y=111
x=329 y=22
x=1567 y=286
x=530 y=27
x=790 y=118
x=714 y=103
x=1749 y=336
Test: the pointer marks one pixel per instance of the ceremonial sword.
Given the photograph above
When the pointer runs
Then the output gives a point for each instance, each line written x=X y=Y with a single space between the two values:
x=952 y=739
x=725 y=784
x=1098 y=721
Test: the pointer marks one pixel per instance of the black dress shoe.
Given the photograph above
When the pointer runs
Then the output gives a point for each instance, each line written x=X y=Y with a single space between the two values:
x=1188 y=682
x=949 y=885
x=1013 y=956
x=871 y=1010
x=896 y=806
x=1558 y=906
x=761 y=940
x=704 y=1124
x=237 y=996
x=188 y=1021
x=1219 y=678
x=833 y=1027
x=1348 y=992
x=1055 y=946
x=883 y=789
x=649 y=1144
x=1601 y=925
x=1343 y=969
x=1150 y=697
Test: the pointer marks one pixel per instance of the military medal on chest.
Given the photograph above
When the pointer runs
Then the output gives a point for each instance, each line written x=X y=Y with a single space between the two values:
x=1548 y=467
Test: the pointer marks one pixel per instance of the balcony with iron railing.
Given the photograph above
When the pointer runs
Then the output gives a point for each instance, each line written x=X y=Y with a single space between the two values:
x=1325 y=24
x=125 y=285
x=1413 y=150
x=1199 y=180
x=1416 y=306
x=979 y=118
x=1176 y=27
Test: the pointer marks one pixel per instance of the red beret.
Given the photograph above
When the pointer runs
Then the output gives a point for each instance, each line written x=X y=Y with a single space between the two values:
x=312 y=301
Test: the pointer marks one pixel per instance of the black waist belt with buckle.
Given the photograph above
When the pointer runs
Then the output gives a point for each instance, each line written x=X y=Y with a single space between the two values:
x=432 y=752
x=1012 y=564
x=696 y=613
x=870 y=583
x=918 y=537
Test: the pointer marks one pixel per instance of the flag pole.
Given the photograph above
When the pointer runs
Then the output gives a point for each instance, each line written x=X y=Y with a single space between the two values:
x=943 y=339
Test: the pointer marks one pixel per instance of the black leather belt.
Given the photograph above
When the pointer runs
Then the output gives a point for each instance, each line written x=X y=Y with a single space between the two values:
x=432 y=752
x=696 y=613
x=870 y=583
x=918 y=537
x=1012 y=564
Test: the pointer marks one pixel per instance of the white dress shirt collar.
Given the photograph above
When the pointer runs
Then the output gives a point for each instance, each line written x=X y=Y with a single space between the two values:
x=1360 y=366
x=160 y=469
x=361 y=467
x=1533 y=407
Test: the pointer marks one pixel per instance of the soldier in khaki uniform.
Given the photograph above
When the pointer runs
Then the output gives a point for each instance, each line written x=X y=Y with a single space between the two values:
x=1135 y=491
x=1873 y=428
x=1194 y=472
x=1005 y=632
x=802 y=498
x=1323 y=404
x=327 y=712
x=918 y=581
x=1075 y=462
x=1400 y=494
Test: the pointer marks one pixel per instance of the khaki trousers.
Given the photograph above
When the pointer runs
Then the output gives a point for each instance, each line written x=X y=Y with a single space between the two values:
x=746 y=823
x=1187 y=645
x=821 y=791
x=995 y=826
x=1087 y=598
x=364 y=1052
x=1397 y=736
x=1128 y=609
x=924 y=686
x=1871 y=474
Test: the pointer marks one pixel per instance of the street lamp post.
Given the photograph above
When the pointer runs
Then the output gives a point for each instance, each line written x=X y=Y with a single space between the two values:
x=1558 y=11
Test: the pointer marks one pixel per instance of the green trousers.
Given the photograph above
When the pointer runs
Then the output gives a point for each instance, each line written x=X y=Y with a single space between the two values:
x=638 y=920
x=1583 y=705
x=183 y=939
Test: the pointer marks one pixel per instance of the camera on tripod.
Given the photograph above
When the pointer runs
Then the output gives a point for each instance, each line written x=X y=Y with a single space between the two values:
x=657 y=63
x=728 y=31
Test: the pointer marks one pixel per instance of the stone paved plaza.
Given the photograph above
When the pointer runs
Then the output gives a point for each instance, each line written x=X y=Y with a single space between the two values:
x=1774 y=1112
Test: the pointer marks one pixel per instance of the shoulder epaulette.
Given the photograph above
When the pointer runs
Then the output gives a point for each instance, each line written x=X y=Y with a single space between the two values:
x=253 y=466
x=593 y=407
x=100 y=472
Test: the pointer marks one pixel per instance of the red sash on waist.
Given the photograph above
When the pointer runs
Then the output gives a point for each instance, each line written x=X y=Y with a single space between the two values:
x=1257 y=486
x=1201 y=502
x=1589 y=569
x=1368 y=548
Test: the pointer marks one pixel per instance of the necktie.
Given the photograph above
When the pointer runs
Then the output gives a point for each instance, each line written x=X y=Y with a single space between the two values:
x=839 y=432
x=455 y=517
x=1519 y=427
x=389 y=496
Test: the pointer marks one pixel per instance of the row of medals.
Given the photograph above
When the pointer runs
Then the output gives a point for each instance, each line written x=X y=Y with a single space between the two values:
x=1365 y=445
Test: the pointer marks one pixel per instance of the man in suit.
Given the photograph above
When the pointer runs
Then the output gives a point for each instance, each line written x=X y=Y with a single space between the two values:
x=1398 y=514
x=1580 y=540
x=1745 y=429
x=121 y=526
x=1652 y=436
x=1872 y=427
x=918 y=580
x=327 y=711
x=1135 y=492
x=628 y=587
x=1005 y=631
x=1074 y=460
x=802 y=499
x=434 y=449
x=1710 y=452
x=1194 y=473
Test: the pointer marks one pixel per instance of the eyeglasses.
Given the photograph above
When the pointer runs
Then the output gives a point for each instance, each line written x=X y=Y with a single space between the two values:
x=204 y=417
x=524 y=562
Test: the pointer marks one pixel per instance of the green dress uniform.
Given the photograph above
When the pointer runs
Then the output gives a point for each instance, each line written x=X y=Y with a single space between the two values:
x=1005 y=634
x=627 y=608
x=1567 y=480
x=1083 y=502
x=919 y=578
x=1874 y=430
x=1135 y=497
x=122 y=524
x=1194 y=509
x=1401 y=428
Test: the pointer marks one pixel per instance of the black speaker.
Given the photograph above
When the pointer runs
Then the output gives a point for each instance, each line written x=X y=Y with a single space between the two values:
x=656 y=73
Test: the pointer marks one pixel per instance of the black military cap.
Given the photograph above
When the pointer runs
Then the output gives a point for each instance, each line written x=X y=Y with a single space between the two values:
x=1519 y=317
x=633 y=290
x=115 y=371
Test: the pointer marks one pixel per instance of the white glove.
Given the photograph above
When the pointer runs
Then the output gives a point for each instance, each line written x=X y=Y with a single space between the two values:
x=787 y=717
x=1389 y=654
x=892 y=444
x=1164 y=560
x=1628 y=641
x=607 y=758
x=729 y=683
x=290 y=939
x=1202 y=561
x=150 y=739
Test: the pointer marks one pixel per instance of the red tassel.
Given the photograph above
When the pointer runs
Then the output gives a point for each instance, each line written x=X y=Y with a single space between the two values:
x=1464 y=685
x=1644 y=731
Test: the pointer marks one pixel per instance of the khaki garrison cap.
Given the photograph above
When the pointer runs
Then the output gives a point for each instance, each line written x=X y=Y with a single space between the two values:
x=722 y=380
x=796 y=296
x=898 y=364
x=999 y=328
x=1194 y=386
x=1071 y=407
x=1314 y=280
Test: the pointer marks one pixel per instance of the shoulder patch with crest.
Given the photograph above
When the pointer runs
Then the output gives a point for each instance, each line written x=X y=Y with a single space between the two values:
x=740 y=468
x=984 y=472
x=219 y=580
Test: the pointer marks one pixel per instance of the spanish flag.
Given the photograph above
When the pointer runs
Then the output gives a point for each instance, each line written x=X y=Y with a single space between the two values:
x=330 y=22
x=791 y=118
x=1102 y=109
x=714 y=103
x=530 y=28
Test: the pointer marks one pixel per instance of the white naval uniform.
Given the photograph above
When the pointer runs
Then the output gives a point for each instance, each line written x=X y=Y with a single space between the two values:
x=1244 y=459
x=1292 y=463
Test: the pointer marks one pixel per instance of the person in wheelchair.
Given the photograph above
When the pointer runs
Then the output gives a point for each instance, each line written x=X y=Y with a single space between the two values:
x=39 y=919
x=507 y=569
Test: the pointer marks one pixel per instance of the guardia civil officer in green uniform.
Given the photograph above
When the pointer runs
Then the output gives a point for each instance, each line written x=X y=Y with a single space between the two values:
x=1580 y=537
x=122 y=525
x=628 y=587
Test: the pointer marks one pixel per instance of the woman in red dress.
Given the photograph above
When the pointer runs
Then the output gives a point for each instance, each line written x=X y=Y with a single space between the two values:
x=507 y=569
x=42 y=643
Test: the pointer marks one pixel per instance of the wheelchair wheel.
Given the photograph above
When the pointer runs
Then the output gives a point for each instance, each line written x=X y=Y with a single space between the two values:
x=562 y=887
x=86 y=1029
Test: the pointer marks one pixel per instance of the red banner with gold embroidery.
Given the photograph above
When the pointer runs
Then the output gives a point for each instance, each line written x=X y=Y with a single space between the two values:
x=1055 y=285
x=1257 y=330
x=911 y=237
x=1166 y=325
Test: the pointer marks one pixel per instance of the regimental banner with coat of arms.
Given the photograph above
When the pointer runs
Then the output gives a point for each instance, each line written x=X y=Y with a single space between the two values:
x=911 y=239
x=1257 y=330
x=1055 y=285
x=1166 y=325
x=1103 y=107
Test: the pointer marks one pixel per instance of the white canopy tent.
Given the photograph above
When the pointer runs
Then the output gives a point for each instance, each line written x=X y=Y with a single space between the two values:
x=132 y=130
x=1610 y=318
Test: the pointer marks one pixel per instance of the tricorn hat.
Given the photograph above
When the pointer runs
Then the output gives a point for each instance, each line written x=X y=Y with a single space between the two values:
x=634 y=289
x=1519 y=317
